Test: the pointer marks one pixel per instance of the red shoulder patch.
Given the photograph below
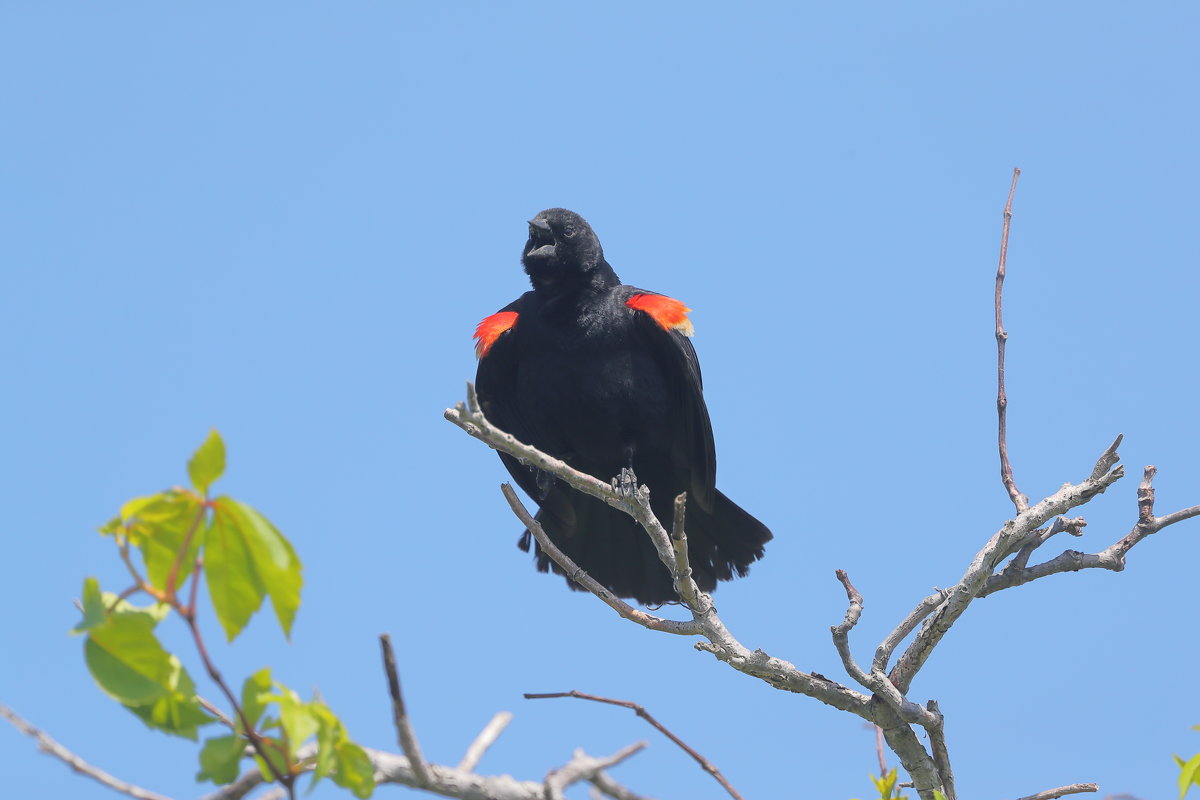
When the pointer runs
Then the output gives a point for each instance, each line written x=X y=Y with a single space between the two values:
x=668 y=312
x=489 y=330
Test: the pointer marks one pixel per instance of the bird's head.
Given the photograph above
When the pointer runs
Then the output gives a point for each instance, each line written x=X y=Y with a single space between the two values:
x=562 y=249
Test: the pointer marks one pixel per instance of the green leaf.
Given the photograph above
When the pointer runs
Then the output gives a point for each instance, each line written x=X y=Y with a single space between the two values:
x=338 y=757
x=129 y=665
x=329 y=733
x=155 y=613
x=937 y=795
x=208 y=462
x=160 y=529
x=253 y=689
x=94 y=612
x=111 y=527
x=132 y=507
x=275 y=561
x=219 y=759
x=127 y=661
x=1188 y=774
x=354 y=770
x=233 y=582
x=296 y=717
x=178 y=712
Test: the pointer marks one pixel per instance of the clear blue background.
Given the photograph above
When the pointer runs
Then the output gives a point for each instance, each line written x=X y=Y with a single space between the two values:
x=284 y=220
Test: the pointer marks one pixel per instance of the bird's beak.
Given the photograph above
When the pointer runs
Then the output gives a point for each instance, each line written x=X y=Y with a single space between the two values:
x=541 y=239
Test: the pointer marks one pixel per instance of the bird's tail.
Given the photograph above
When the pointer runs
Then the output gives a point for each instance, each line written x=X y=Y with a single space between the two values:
x=614 y=549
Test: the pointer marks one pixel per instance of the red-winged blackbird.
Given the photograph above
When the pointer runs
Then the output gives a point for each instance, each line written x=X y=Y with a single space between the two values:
x=603 y=376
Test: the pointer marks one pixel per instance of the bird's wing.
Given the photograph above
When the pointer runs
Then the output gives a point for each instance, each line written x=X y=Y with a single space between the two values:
x=664 y=327
x=495 y=384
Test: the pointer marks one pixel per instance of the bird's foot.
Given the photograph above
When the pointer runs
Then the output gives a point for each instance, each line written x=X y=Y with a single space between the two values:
x=626 y=484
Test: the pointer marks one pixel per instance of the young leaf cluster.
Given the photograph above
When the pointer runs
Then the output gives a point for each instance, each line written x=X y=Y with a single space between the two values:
x=885 y=785
x=186 y=537
x=1189 y=771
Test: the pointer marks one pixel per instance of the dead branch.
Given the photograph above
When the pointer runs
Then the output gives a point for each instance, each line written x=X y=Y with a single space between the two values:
x=583 y=767
x=1074 y=788
x=486 y=738
x=404 y=730
x=1006 y=475
x=640 y=710
x=51 y=747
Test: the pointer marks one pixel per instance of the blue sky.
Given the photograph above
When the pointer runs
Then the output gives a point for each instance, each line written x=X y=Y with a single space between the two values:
x=284 y=221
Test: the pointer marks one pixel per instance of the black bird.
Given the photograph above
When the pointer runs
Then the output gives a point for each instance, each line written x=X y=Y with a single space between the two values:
x=603 y=376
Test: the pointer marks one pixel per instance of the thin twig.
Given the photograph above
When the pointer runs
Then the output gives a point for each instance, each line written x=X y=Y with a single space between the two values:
x=212 y=708
x=602 y=782
x=883 y=770
x=1006 y=474
x=48 y=745
x=582 y=767
x=197 y=568
x=256 y=741
x=1074 y=788
x=704 y=763
x=404 y=730
x=486 y=738
x=576 y=573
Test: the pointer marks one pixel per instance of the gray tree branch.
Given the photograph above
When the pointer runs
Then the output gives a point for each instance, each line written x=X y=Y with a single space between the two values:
x=51 y=747
x=486 y=738
x=1062 y=791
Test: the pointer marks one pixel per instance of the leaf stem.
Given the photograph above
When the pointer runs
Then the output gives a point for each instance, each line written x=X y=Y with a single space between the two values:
x=173 y=575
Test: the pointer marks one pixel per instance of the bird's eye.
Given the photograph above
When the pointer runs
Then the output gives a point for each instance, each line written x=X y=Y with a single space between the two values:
x=569 y=231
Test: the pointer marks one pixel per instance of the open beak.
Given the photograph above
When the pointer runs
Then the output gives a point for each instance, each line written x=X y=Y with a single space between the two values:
x=541 y=239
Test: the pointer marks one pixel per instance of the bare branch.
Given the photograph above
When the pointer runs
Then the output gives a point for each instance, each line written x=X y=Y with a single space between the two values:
x=985 y=562
x=212 y=708
x=685 y=587
x=587 y=581
x=1074 y=788
x=1006 y=475
x=721 y=643
x=48 y=745
x=582 y=767
x=1112 y=558
x=1108 y=458
x=941 y=756
x=841 y=631
x=404 y=731
x=704 y=763
x=604 y=783
x=446 y=781
x=907 y=626
x=486 y=738
x=883 y=770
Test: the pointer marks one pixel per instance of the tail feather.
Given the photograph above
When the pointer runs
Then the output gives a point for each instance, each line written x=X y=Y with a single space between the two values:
x=614 y=549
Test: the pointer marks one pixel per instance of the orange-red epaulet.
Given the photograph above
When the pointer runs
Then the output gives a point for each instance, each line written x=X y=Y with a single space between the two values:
x=668 y=312
x=489 y=330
